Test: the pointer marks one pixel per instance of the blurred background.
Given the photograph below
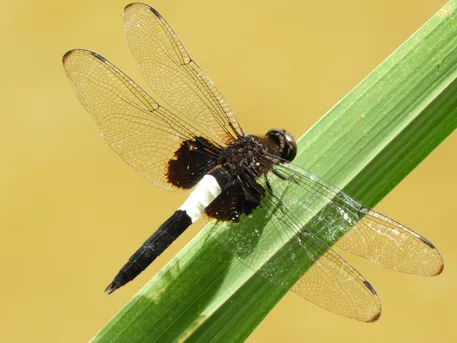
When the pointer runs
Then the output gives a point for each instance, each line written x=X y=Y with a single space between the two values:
x=71 y=211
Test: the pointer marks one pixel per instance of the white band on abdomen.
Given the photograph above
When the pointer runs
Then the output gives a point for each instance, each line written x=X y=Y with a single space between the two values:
x=205 y=192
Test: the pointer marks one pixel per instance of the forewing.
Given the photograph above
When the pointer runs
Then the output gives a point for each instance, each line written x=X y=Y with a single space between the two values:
x=278 y=247
x=174 y=76
x=361 y=230
x=392 y=245
x=143 y=133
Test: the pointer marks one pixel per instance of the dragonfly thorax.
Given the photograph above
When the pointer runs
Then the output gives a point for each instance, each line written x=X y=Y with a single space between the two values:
x=246 y=155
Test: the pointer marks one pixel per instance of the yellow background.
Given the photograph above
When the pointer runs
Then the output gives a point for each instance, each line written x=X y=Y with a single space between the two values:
x=71 y=211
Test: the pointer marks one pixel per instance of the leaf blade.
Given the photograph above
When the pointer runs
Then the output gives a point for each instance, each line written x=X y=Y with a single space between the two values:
x=366 y=145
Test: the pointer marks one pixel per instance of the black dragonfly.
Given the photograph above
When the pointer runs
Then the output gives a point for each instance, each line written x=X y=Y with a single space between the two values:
x=192 y=138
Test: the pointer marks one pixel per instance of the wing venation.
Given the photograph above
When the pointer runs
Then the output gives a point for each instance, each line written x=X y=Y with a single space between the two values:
x=144 y=133
x=174 y=75
x=361 y=230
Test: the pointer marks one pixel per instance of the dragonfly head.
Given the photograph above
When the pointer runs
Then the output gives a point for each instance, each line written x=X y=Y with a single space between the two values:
x=284 y=143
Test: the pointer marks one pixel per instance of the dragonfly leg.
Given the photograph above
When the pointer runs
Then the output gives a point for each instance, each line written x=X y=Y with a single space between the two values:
x=282 y=176
x=267 y=182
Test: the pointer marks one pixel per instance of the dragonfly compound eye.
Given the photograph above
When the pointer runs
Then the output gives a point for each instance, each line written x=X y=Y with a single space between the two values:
x=287 y=148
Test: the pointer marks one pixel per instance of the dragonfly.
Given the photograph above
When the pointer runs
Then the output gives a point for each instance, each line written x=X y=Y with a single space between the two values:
x=187 y=137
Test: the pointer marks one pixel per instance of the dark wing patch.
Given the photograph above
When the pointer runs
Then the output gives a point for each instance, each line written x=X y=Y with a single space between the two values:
x=275 y=244
x=193 y=160
x=145 y=134
x=234 y=201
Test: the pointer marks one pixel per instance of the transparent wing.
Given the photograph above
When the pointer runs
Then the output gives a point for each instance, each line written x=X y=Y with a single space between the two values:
x=361 y=230
x=282 y=251
x=173 y=75
x=143 y=133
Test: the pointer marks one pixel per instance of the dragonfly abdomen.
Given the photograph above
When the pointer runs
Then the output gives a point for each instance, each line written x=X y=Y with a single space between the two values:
x=192 y=209
x=155 y=245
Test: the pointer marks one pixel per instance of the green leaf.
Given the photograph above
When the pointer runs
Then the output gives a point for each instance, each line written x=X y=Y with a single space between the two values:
x=365 y=145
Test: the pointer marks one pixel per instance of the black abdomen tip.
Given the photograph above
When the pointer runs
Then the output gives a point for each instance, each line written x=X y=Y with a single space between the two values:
x=112 y=287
